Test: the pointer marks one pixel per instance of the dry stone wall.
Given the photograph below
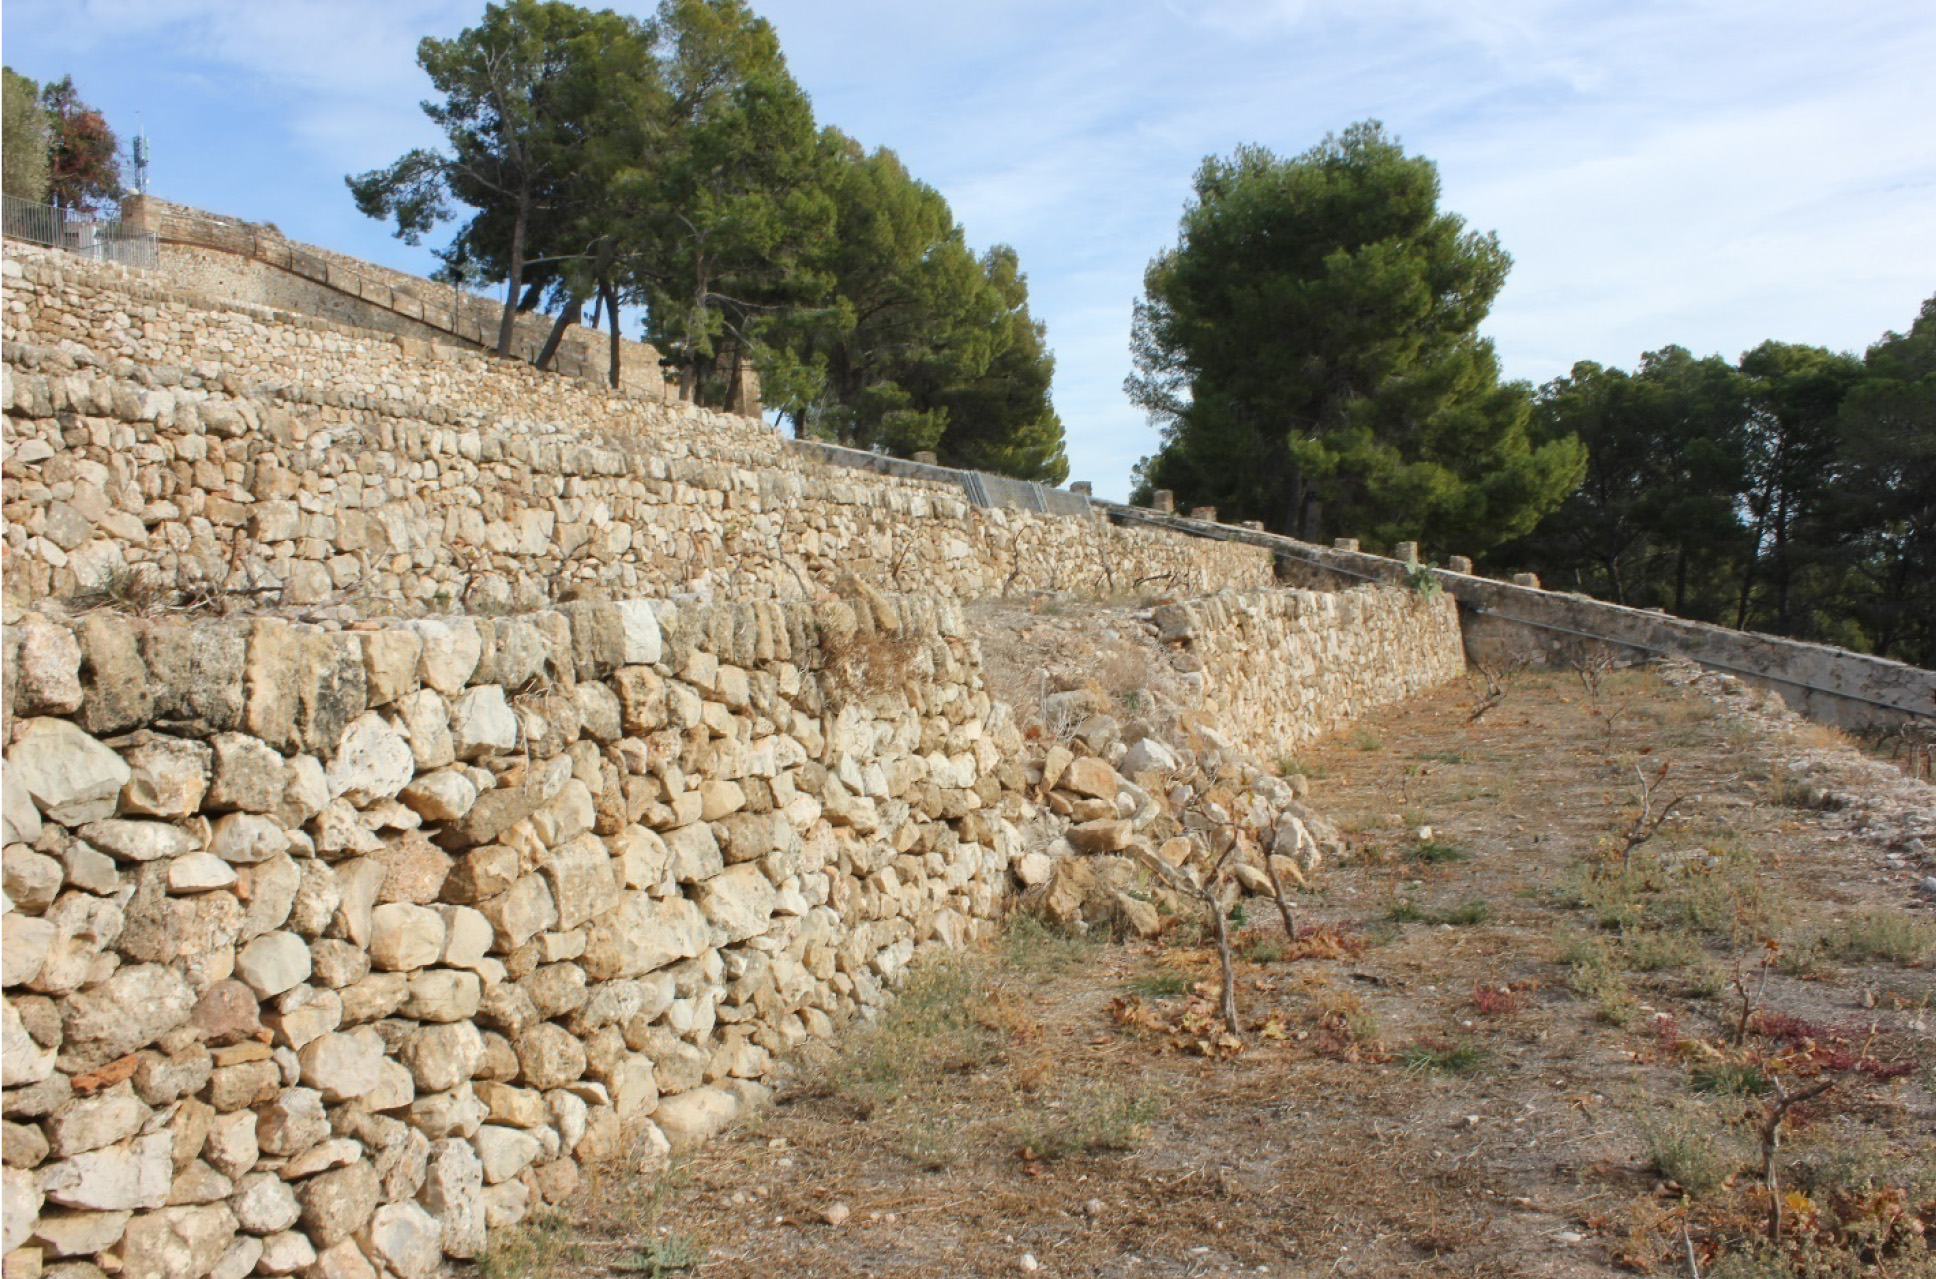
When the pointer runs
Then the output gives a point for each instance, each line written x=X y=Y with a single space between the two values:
x=222 y=257
x=318 y=465
x=326 y=949
x=1285 y=667
x=329 y=947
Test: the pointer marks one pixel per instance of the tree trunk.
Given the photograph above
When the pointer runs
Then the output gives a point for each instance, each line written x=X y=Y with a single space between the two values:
x=507 y=328
x=567 y=317
x=610 y=293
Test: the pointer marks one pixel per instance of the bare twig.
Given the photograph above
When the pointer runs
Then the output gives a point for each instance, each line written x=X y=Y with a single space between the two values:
x=1495 y=693
x=1648 y=823
x=1778 y=1109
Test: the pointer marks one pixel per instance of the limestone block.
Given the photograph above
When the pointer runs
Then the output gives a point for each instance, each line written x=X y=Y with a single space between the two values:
x=80 y=1234
x=199 y=873
x=467 y=936
x=343 y=1260
x=738 y=902
x=130 y=1010
x=426 y=722
x=372 y=762
x=456 y=1113
x=441 y=1057
x=264 y=1204
x=285 y=1253
x=273 y=963
x=89 y=1123
x=247 y=838
x=272 y=888
x=21 y=821
x=23 y=948
x=72 y=778
x=168 y=778
x=47 y=670
x=357 y=884
x=403 y=1239
x=336 y=1204
x=231 y=1146
x=19 y=1207
x=643 y=934
x=134 y=1174
x=390 y=660
x=504 y=1152
x=247 y=775
x=304 y=1015
x=177 y=1243
x=695 y=853
x=342 y=1065
x=414 y=869
x=302 y=686
x=240 y=1259
x=32 y=879
x=443 y=995
x=548 y=1056
x=481 y=723
x=440 y=797
x=521 y=912
x=580 y=876
x=694 y=1115
x=454 y=1192
x=450 y=653
x=295 y=1119
x=138 y=841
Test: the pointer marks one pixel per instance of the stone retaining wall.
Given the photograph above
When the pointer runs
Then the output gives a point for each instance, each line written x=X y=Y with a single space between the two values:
x=315 y=465
x=222 y=257
x=329 y=948
x=1285 y=667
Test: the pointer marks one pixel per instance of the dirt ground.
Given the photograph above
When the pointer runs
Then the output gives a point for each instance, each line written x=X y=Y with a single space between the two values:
x=1519 y=1042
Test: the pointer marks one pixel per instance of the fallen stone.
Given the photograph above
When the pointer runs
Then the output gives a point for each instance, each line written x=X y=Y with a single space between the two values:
x=695 y=1115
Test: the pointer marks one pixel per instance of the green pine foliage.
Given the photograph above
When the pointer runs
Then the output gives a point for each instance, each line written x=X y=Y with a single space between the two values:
x=1792 y=491
x=673 y=164
x=1310 y=350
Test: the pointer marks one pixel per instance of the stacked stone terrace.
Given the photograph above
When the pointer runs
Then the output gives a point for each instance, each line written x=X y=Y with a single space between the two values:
x=254 y=448
x=348 y=925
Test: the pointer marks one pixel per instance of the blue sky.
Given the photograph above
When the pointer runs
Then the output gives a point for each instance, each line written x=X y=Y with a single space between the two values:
x=1706 y=172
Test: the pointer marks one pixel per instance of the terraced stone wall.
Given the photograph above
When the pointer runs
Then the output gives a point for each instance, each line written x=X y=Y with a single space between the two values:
x=327 y=948
x=314 y=465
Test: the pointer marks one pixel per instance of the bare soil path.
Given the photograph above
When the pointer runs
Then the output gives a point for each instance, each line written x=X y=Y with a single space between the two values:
x=1507 y=1045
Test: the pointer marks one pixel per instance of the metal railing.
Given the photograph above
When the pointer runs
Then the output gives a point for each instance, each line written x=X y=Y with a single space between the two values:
x=98 y=239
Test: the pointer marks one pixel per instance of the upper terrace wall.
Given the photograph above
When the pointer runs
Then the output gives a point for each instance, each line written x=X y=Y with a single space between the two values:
x=147 y=425
x=253 y=262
